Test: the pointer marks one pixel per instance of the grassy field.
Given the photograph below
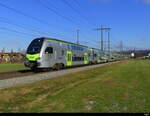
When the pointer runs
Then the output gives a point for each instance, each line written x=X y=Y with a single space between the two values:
x=122 y=87
x=12 y=67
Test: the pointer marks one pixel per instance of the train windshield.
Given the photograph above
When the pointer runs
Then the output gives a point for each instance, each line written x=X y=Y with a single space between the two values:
x=35 y=46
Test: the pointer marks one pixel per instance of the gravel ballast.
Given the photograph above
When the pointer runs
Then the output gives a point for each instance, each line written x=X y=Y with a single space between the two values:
x=33 y=78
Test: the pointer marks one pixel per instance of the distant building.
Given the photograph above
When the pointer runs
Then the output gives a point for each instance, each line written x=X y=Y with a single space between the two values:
x=137 y=53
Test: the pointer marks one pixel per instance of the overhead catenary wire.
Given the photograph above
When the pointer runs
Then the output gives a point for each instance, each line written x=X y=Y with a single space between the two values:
x=20 y=26
x=55 y=12
x=24 y=14
x=75 y=10
x=23 y=25
x=90 y=43
x=53 y=9
x=32 y=17
x=15 y=31
x=77 y=2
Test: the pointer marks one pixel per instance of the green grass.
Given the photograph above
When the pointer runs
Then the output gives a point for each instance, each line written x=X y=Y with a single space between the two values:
x=12 y=67
x=122 y=87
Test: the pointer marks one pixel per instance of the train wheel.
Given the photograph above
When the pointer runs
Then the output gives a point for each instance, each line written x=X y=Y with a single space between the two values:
x=90 y=63
x=57 y=67
x=34 y=69
x=62 y=66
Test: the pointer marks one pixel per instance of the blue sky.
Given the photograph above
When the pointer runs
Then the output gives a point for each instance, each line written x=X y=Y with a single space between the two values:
x=129 y=20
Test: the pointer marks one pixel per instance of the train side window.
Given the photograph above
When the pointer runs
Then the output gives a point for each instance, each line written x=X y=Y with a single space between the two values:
x=62 y=52
x=49 y=50
x=82 y=58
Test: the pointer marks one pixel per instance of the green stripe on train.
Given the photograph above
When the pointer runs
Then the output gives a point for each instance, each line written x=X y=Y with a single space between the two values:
x=105 y=58
x=99 y=58
x=86 y=60
x=69 y=58
x=32 y=57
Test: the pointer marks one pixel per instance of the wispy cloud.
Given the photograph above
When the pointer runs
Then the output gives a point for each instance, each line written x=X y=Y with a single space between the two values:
x=146 y=1
x=143 y=1
x=108 y=1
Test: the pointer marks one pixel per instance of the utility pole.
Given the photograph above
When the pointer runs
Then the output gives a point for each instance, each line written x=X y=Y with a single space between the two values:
x=105 y=44
x=102 y=41
x=121 y=47
x=109 y=51
x=77 y=36
x=108 y=41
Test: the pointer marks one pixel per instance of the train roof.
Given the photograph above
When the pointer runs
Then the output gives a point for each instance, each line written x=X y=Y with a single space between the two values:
x=53 y=39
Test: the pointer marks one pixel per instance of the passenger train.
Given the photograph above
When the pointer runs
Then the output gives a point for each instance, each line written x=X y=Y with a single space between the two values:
x=45 y=53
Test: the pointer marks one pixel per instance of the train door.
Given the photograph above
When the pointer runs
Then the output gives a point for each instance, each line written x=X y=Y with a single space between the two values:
x=47 y=56
x=105 y=56
x=93 y=59
x=86 y=60
x=69 y=58
x=99 y=58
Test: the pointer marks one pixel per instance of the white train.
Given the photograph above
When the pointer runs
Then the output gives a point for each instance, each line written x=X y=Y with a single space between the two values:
x=53 y=53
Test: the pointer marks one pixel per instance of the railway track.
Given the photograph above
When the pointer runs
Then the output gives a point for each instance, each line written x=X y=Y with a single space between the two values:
x=11 y=79
x=8 y=75
x=23 y=73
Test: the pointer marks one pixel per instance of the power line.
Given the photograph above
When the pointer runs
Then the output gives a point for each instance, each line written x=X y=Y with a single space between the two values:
x=11 y=30
x=77 y=2
x=102 y=29
x=52 y=9
x=57 y=13
x=87 y=39
x=31 y=17
x=24 y=14
x=21 y=25
x=89 y=43
x=17 y=25
x=78 y=36
x=24 y=26
x=75 y=10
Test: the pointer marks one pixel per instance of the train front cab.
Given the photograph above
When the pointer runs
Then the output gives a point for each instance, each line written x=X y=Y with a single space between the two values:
x=33 y=53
